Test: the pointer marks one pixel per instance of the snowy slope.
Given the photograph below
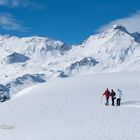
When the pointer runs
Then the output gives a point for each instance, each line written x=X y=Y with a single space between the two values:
x=114 y=50
x=70 y=109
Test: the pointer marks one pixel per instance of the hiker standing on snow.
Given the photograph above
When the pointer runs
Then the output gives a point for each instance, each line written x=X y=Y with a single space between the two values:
x=107 y=94
x=118 y=97
x=112 y=94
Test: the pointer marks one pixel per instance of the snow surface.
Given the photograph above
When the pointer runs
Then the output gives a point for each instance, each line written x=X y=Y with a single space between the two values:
x=70 y=109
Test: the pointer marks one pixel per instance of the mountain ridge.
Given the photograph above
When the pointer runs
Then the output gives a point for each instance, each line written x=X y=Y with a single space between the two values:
x=113 y=50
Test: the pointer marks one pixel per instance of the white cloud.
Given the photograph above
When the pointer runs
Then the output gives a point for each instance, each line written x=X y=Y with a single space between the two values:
x=9 y=23
x=132 y=23
x=11 y=3
x=3 y=2
x=22 y=3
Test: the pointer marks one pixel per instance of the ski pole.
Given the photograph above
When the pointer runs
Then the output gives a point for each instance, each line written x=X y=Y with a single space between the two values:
x=101 y=99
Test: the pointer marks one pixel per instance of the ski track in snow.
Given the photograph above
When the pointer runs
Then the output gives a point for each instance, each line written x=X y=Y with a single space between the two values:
x=135 y=104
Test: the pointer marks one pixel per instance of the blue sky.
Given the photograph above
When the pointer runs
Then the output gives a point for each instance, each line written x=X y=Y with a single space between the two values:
x=71 y=21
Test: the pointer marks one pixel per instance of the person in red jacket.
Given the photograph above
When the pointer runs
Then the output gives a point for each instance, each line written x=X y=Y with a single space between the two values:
x=107 y=94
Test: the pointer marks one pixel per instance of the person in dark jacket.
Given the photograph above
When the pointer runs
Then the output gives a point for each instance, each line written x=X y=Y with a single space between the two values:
x=107 y=94
x=113 y=94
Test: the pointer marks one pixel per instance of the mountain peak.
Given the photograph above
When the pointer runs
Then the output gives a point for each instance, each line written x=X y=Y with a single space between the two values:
x=119 y=27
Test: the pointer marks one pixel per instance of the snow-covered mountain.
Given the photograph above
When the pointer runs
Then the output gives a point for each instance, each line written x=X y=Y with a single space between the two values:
x=30 y=60
x=115 y=49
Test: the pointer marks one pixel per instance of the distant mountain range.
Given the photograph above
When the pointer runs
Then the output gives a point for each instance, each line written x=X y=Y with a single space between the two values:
x=31 y=60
